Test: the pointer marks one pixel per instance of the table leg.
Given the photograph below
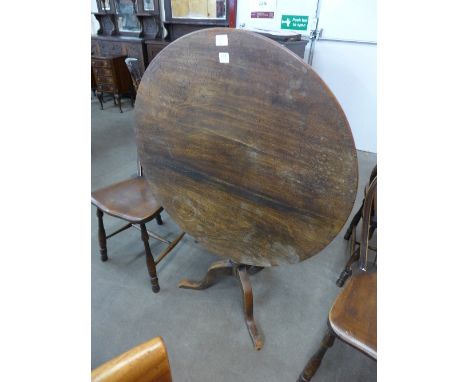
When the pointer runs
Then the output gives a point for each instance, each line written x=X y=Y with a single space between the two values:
x=215 y=272
x=241 y=271
x=247 y=296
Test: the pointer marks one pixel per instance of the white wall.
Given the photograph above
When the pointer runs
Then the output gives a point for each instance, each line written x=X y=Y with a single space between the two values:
x=349 y=19
x=350 y=70
x=94 y=22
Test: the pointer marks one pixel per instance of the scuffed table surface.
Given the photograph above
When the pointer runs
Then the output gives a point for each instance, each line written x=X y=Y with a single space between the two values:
x=254 y=158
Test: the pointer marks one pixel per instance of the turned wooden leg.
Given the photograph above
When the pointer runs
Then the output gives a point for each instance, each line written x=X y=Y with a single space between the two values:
x=149 y=260
x=99 y=96
x=215 y=272
x=102 y=235
x=312 y=366
x=347 y=271
x=353 y=257
x=247 y=296
x=159 y=219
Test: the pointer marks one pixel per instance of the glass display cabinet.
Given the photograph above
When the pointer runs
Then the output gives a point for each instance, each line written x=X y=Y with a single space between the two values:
x=137 y=18
x=185 y=16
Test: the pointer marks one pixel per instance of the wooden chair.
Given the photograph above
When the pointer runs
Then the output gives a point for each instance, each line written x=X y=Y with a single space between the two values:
x=353 y=316
x=135 y=73
x=147 y=362
x=368 y=213
x=131 y=200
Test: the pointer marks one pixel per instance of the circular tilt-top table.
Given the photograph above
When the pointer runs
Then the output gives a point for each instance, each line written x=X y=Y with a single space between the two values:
x=247 y=150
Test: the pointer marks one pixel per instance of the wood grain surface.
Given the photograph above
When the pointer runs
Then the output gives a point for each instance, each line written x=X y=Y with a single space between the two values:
x=254 y=158
x=353 y=316
x=147 y=362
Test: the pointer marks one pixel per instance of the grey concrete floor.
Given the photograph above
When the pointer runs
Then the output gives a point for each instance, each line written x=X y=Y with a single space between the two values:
x=204 y=331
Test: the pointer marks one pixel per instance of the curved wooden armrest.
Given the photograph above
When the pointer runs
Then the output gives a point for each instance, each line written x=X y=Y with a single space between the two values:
x=147 y=362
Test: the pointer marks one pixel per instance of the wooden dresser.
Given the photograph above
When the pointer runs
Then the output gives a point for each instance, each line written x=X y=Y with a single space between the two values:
x=112 y=76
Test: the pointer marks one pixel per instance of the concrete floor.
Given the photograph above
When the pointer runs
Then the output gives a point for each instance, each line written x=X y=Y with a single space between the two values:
x=205 y=331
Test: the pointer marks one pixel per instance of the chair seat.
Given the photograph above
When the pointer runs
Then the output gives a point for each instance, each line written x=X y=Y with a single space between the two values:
x=353 y=316
x=130 y=200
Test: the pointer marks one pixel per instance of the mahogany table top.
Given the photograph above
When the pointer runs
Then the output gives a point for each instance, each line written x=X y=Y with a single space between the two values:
x=253 y=157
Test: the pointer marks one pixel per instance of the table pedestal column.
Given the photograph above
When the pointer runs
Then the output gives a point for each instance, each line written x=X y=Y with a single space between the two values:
x=241 y=272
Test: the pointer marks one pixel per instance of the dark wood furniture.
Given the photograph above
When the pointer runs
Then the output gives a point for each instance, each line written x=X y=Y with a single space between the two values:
x=134 y=27
x=254 y=157
x=134 y=70
x=147 y=362
x=111 y=76
x=125 y=25
x=105 y=46
x=131 y=200
x=352 y=318
x=368 y=213
x=153 y=47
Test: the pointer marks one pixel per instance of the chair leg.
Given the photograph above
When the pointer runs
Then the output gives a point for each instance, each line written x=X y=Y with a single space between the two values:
x=354 y=222
x=149 y=260
x=312 y=366
x=159 y=219
x=102 y=235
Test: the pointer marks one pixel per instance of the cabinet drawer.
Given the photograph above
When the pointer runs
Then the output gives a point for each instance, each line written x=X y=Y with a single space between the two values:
x=104 y=80
x=103 y=71
x=101 y=63
x=105 y=88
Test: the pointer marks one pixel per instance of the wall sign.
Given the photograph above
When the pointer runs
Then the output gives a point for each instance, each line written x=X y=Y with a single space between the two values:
x=294 y=22
x=262 y=9
x=262 y=15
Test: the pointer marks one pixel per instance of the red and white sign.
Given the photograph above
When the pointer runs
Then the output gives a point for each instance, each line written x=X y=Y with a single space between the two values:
x=262 y=9
x=262 y=15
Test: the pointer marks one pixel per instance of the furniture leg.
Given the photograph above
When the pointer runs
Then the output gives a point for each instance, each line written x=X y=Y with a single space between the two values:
x=99 y=96
x=353 y=223
x=149 y=260
x=159 y=219
x=347 y=271
x=353 y=257
x=247 y=296
x=102 y=235
x=115 y=102
x=312 y=366
x=119 y=100
x=214 y=273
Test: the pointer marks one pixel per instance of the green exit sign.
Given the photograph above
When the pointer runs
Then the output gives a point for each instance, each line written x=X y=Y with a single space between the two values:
x=294 y=22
